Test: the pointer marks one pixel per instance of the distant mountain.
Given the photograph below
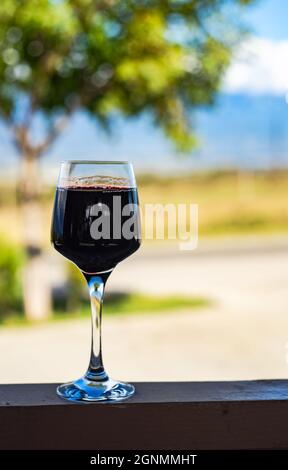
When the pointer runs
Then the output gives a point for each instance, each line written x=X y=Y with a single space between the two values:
x=244 y=131
x=240 y=131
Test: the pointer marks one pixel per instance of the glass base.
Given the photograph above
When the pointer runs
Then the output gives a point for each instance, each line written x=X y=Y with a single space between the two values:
x=86 y=390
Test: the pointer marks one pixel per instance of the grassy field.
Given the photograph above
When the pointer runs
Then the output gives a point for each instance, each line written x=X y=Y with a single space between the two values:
x=122 y=304
x=229 y=203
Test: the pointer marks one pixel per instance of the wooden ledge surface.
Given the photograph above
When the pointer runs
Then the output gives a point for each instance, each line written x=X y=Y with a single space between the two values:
x=161 y=415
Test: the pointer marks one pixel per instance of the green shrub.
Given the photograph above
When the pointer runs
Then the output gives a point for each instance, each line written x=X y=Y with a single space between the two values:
x=77 y=288
x=11 y=260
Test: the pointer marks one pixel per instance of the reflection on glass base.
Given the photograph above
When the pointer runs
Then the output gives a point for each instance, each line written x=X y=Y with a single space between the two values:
x=85 y=390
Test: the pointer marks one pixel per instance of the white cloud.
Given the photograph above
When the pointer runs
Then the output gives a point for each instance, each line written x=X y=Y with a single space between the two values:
x=260 y=66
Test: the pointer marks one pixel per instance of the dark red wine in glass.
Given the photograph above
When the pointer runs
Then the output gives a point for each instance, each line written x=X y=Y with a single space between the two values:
x=73 y=224
x=96 y=224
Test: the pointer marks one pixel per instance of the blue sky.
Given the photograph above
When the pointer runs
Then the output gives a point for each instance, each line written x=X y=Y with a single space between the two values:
x=247 y=127
x=269 y=18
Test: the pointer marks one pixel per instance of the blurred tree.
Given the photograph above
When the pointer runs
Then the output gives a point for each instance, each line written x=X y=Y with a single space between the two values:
x=104 y=56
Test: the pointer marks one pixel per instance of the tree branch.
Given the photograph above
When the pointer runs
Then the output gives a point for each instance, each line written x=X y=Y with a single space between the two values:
x=52 y=135
x=22 y=141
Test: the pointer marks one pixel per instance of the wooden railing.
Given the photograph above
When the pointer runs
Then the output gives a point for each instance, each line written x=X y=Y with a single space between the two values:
x=172 y=415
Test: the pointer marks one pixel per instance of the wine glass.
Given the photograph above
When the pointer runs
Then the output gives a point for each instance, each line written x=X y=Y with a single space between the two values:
x=96 y=224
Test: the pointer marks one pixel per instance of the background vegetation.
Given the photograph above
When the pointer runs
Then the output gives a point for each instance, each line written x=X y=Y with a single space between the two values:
x=230 y=203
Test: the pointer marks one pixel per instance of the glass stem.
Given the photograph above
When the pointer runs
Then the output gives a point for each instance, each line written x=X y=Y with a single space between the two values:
x=96 y=284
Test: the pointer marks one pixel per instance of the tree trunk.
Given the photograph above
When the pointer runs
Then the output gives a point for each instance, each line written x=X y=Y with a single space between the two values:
x=36 y=285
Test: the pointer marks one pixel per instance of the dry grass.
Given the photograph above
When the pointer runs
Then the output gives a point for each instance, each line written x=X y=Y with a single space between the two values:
x=229 y=203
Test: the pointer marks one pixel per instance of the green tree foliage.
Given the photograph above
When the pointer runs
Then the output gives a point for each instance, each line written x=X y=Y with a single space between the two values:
x=110 y=56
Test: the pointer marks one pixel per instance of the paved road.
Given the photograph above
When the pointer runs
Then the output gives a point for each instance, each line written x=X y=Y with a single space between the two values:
x=243 y=277
x=242 y=335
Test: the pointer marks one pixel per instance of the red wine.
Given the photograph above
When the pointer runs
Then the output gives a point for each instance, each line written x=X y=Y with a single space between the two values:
x=78 y=235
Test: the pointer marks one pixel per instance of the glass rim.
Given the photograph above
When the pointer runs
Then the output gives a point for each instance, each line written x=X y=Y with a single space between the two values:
x=95 y=162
